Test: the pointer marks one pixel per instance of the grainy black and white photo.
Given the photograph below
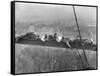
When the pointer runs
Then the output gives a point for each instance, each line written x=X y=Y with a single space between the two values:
x=54 y=38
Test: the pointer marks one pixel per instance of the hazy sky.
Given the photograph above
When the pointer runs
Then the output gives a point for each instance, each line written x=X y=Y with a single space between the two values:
x=48 y=13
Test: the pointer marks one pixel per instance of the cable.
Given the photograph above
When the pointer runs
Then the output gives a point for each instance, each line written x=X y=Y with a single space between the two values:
x=80 y=36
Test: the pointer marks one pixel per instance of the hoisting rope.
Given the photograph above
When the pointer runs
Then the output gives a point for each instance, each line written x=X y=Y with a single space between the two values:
x=80 y=40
